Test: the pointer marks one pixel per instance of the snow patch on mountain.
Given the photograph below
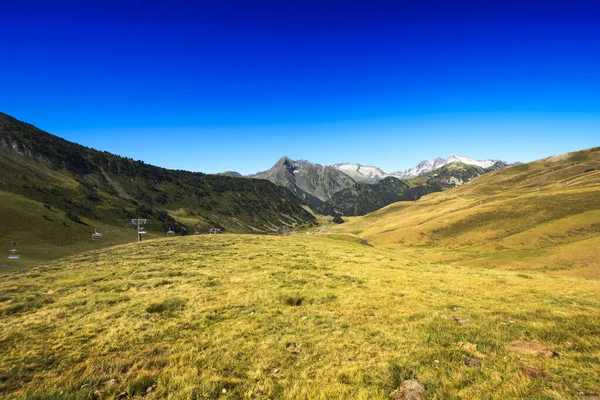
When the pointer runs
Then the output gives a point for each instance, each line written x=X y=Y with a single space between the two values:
x=423 y=167
x=362 y=173
x=470 y=161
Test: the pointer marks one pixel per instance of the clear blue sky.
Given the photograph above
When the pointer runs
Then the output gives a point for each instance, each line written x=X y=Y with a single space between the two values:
x=229 y=85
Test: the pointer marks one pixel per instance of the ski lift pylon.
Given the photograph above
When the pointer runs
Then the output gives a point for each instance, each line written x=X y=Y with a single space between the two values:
x=139 y=222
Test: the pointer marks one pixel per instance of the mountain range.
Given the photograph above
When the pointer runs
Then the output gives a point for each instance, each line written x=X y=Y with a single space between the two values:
x=362 y=198
x=353 y=189
x=543 y=215
x=371 y=174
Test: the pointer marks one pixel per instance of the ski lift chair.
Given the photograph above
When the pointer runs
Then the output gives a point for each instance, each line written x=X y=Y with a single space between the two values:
x=14 y=254
x=96 y=235
x=170 y=232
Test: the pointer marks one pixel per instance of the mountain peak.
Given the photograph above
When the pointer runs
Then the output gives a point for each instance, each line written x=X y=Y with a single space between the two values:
x=283 y=160
x=312 y=182
x=470 y=161
x=362 y=173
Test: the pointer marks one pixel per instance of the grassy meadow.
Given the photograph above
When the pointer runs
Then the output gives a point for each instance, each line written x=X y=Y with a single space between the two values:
x=296 y=317
x=538 y=217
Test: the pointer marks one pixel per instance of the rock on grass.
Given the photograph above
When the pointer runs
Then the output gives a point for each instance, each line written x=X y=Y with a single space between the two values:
x=410 y=389
x=471 y=362
x=536 y=373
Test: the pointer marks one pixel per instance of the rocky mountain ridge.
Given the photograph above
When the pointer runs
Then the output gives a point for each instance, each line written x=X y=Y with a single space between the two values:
x=344 y=188
x=311 y=182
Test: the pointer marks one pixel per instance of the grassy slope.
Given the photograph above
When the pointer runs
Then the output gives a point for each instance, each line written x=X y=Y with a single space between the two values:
x=234 y=316
x=44 y=234
x=543 y=215
x=106 y=191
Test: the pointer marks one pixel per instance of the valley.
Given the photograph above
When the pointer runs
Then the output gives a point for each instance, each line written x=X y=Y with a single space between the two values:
x=57 y=193
x=542 y=216
x=488 y=289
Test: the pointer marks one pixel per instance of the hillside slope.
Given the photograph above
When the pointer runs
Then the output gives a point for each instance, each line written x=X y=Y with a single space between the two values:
x=542 y=215
x=298 y=317
x=363 y=198
x=66 y=190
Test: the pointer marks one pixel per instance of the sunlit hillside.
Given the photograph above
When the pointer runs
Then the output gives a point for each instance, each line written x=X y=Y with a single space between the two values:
x=244 y=316
x=542 y=216
x=55 y=193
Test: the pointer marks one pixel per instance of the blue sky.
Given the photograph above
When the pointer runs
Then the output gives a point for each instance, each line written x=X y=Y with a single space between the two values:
x=232 y=85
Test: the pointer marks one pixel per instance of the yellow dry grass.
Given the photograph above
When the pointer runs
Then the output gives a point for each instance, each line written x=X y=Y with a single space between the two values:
x=320 y=316
x=541 y=216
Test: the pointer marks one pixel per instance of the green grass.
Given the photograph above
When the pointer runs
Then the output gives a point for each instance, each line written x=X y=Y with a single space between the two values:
x=54 y=193
x=43 y=234
x=166 y=307
x=242 y=316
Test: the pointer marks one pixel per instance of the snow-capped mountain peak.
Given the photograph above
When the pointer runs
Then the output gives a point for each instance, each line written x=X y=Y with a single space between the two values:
x=422 y=168
x=470 y=161
x=362 y=173
x=426 y=166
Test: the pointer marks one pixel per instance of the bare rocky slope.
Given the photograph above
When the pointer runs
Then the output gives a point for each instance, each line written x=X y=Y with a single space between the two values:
x=311 y=182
